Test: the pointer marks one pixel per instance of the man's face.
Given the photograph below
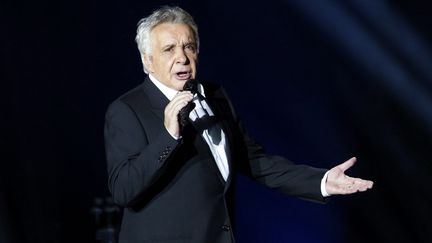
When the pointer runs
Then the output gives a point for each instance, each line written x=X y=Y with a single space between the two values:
x=173 y=58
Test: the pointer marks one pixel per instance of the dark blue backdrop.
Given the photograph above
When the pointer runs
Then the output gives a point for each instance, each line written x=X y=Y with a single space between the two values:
x=315 y=81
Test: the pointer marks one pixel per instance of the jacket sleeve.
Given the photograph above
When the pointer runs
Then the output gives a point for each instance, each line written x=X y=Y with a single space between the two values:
x=133 y=163
x=283 y=175
x=277 y=172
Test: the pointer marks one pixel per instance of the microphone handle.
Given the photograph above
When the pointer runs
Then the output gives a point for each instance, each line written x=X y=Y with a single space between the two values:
x=183 y=116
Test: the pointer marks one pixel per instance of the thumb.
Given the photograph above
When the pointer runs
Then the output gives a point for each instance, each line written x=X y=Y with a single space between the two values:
x=347 y=164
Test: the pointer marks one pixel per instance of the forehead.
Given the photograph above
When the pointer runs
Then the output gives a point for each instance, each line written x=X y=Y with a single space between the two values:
x=171 y=33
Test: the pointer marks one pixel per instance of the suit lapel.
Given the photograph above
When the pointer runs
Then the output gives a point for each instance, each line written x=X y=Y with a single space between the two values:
x=158 y=101
x=220 y=107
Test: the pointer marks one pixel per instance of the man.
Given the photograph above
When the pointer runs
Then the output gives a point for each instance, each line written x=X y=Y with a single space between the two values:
x=176 y=182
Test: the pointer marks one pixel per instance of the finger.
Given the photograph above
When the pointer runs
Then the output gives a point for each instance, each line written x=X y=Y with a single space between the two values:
x=349 y=186
x=353 y=189
x=181 y=99
x=361 y=188
x=360 y=185
x=174 y=109
x=370 y=184
x=347 y=164
x=363 y=183
x=180 y=96
x=180 y=106
x=347 y=190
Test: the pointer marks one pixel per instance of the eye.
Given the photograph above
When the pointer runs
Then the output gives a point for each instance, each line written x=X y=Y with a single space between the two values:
x=190 y=47
x=169 y=49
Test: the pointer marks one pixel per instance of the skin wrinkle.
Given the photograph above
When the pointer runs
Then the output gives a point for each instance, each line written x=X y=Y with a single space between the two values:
x=174 y=50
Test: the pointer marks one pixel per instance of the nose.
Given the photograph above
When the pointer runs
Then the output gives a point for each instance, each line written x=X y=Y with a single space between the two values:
x=181 y=56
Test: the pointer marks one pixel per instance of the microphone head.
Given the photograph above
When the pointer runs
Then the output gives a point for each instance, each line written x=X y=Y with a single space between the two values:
x=191 y=85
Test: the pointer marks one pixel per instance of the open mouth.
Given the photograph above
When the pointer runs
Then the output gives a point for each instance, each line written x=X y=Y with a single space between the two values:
x=183 y=75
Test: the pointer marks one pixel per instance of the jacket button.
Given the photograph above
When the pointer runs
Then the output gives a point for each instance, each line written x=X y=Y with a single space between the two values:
x=226 y=227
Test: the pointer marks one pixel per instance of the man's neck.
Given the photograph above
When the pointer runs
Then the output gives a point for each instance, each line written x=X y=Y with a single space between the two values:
x=167 y=91
x=170 y=92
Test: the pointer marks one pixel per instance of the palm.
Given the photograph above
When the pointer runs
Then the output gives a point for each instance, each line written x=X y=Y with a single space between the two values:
x=339 y=183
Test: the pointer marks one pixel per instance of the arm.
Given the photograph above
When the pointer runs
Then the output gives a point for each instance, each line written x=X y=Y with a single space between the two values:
x=275 y=172
x=283 y=175
x=134 y=164
x=138 y=150
x=301 y=180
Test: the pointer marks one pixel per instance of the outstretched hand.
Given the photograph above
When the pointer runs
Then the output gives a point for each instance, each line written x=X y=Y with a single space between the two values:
x=338 y=183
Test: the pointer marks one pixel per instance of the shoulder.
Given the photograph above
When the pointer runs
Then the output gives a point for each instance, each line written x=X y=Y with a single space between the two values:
x=214 y=90
x=131 y=95
x=121 y=106
x=218 y=96
x=210 y=85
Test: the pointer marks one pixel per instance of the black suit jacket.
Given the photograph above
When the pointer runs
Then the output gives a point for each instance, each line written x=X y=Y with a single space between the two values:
x=172 y=190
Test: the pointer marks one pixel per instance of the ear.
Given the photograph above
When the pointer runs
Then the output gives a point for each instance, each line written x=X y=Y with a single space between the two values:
x=147 y=62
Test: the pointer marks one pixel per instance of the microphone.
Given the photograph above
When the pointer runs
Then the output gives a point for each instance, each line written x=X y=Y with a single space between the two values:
x=192 y=86
x=204 y=122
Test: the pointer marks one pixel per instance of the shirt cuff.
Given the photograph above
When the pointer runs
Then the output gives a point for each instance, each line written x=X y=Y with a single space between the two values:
x=176 y=138
x=323 y=183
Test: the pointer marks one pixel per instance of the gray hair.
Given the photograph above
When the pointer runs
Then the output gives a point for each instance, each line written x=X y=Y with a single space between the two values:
x=165 y=14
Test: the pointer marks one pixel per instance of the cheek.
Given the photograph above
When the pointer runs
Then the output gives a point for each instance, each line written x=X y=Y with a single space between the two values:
x=164 y=62
x=169 y=64
x=194 y=60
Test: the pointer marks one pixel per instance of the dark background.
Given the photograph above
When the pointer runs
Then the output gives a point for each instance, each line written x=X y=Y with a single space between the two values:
x=315 y=81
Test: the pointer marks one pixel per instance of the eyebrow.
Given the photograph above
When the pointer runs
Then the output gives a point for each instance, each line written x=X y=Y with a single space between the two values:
x=185 y=44
x=167 y=46
x=191 y=43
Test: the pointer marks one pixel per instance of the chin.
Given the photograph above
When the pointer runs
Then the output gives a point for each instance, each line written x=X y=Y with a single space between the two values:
x=178 y=84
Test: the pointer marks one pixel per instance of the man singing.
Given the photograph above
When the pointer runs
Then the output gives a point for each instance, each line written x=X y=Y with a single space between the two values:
x=176 y=181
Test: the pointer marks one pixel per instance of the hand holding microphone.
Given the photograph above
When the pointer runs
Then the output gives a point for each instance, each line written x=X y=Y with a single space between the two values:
x=177 y=111
x=183 y=116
